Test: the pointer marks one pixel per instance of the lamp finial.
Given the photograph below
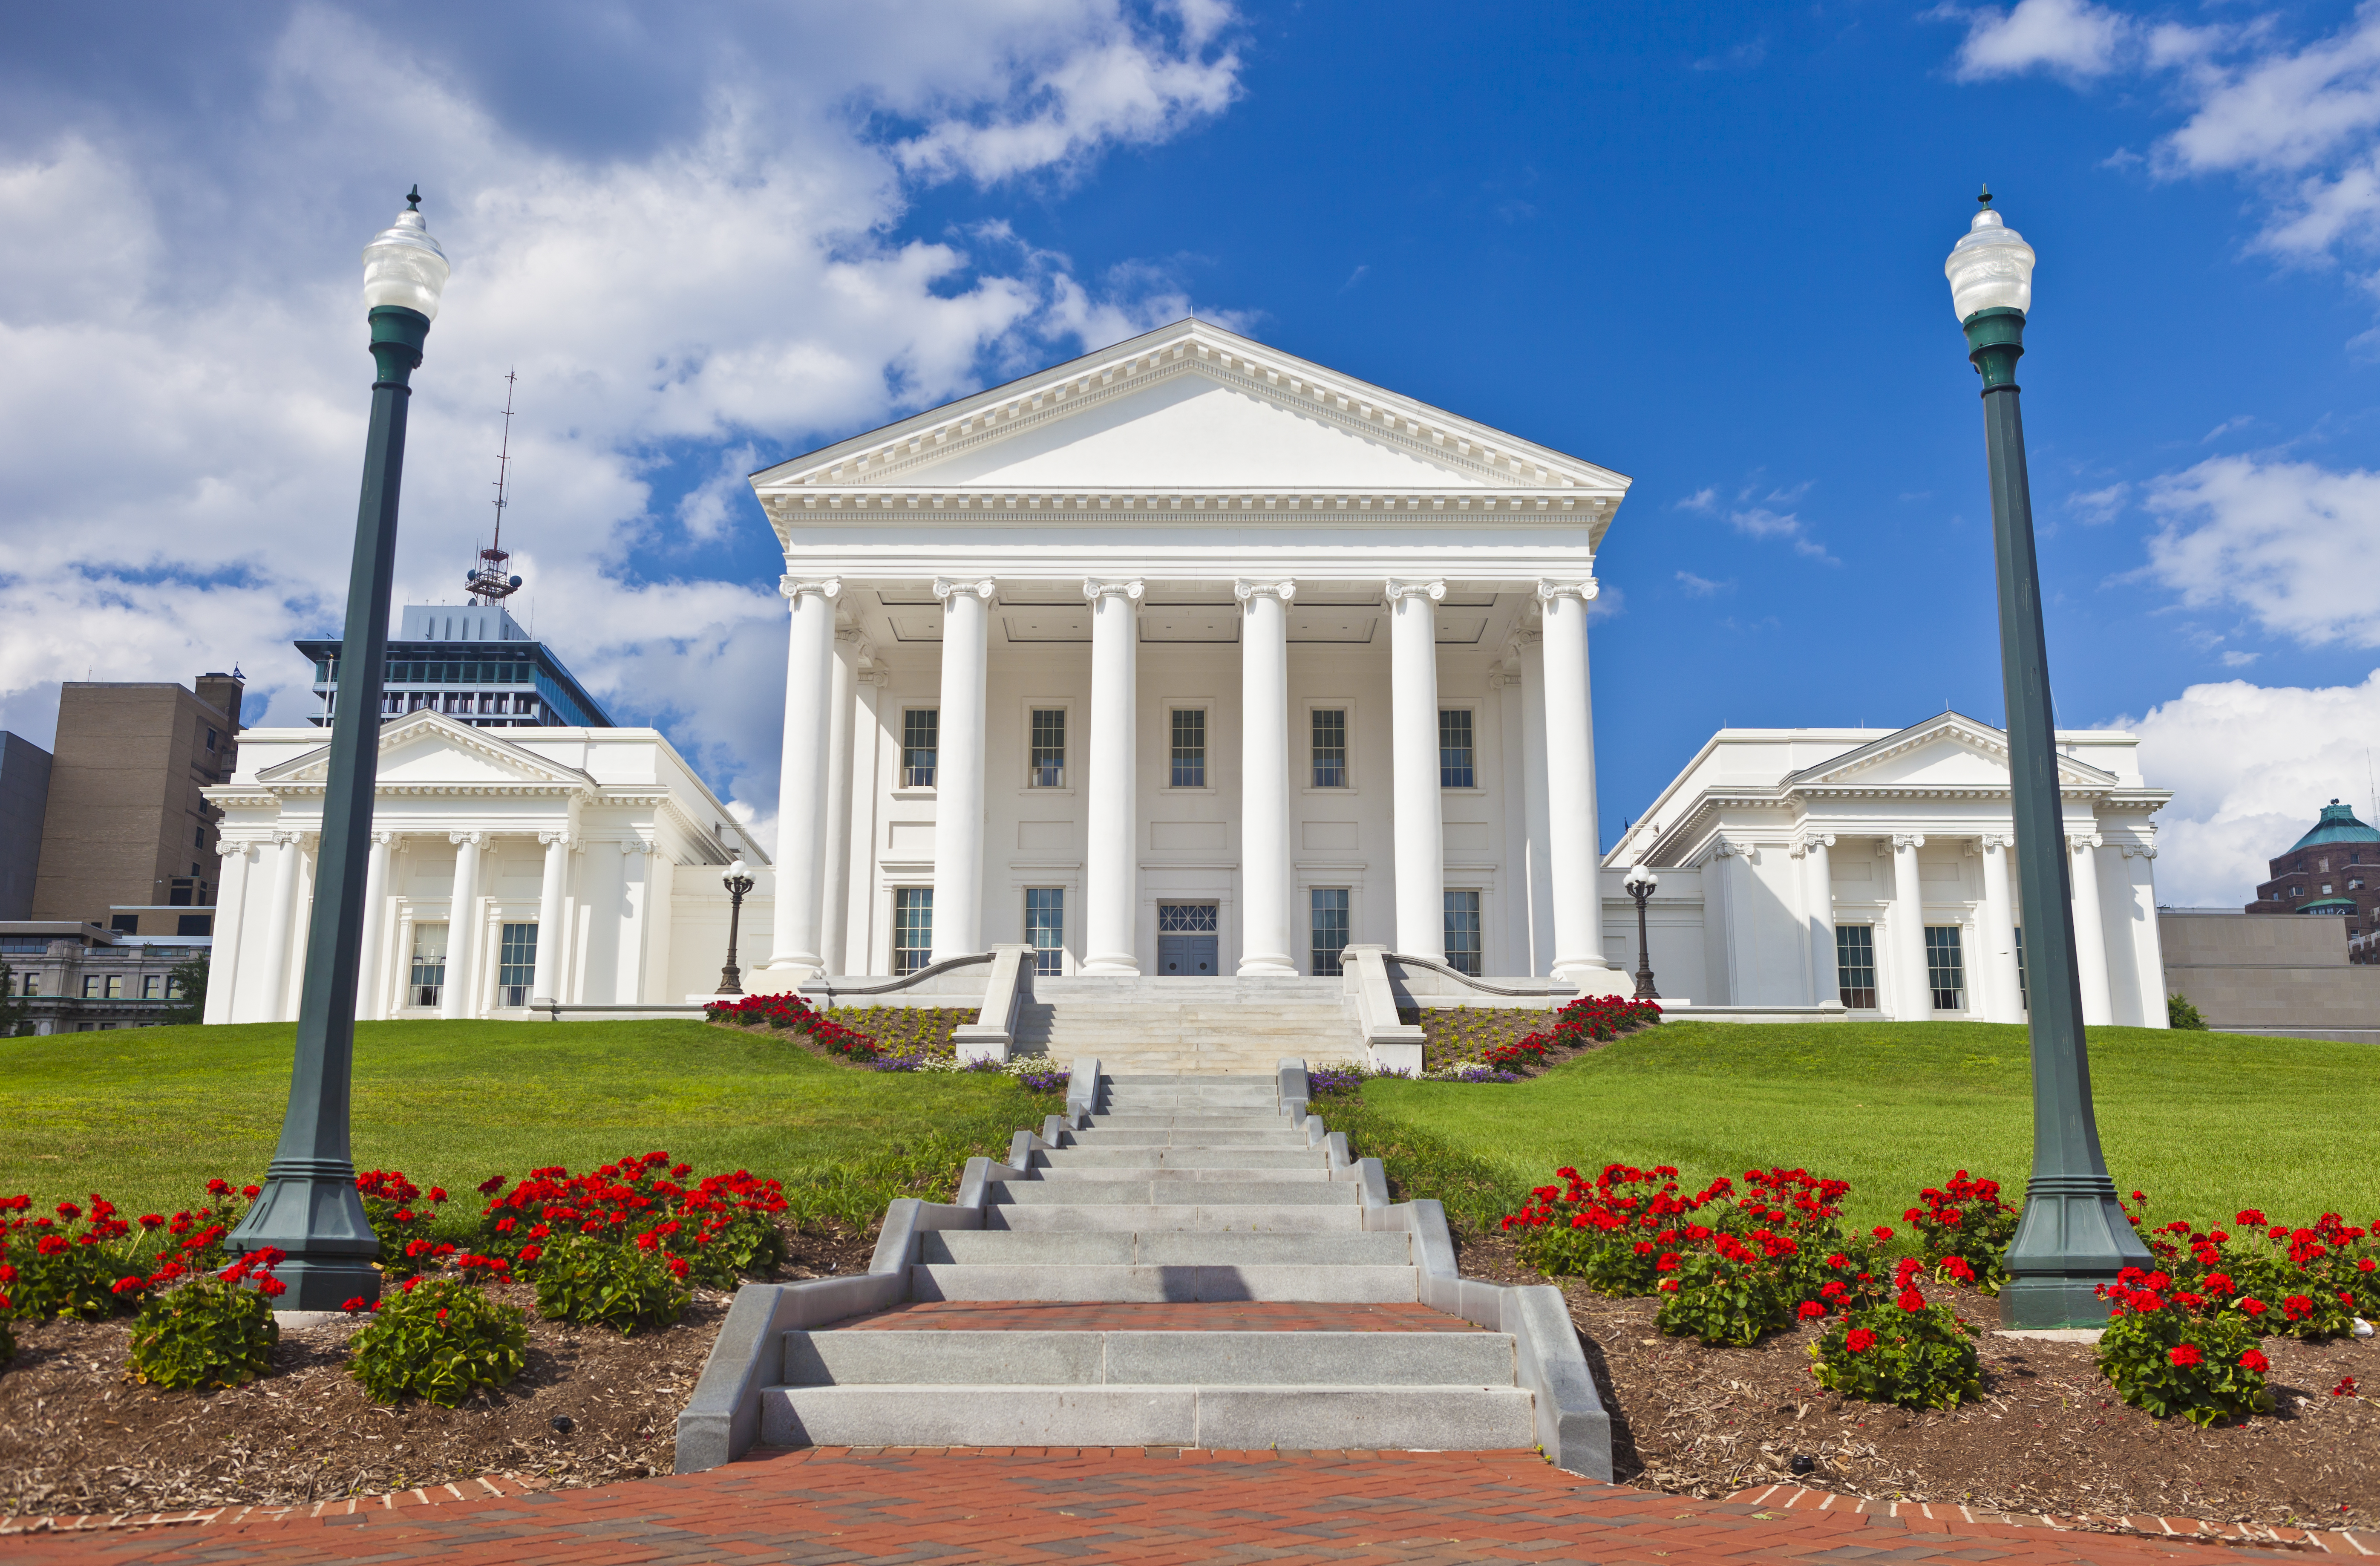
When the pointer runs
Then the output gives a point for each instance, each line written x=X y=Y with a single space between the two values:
x=413 y=198
x=1985 y=199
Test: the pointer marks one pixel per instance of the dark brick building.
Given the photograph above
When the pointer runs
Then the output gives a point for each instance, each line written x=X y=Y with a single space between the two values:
x=2332 y=870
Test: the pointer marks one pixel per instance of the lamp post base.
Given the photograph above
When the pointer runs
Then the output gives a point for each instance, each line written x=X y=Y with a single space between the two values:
x=309 y=1210
x=2073 y=1238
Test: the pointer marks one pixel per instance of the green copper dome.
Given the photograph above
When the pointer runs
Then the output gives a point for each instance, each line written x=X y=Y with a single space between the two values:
x=2338 y=825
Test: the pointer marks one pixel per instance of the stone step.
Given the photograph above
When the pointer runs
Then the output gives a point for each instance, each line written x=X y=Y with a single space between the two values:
x=1082 y=1157
x=1249 y=1217
x=1353 y=1284
x=1142 y=1121
x=1227 y=1417
x=875 y=1357
x=1279 y=1136
x=989 y=1247
x=1112 y=1192
x=1231 y=1173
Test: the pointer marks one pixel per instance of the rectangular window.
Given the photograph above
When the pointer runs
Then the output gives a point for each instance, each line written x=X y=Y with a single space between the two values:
x=124 y=923
x=2023 y=995
x=152 y=987
x=173 y=988
x=1047 y=763
x=194 y=924
x=1946 y=971
x=1463 y=928
x=1045 y=927
x=212 y=737
x=516 y=965
x=1455 y=765
x=428 y=980
x=1189 y=747
x=913 y=928
x=1855 y=965
x=1330 y=750
x=921 y=729
x=116 y=987
x=90 y=987
x=1330 y=906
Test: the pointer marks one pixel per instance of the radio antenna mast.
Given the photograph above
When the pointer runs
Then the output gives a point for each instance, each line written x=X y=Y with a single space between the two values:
x=489 y=582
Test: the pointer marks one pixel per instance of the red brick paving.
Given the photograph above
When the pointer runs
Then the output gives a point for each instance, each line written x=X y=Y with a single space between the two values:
x=832 y=1506
x=1039 y=1315
x=2339 y=1541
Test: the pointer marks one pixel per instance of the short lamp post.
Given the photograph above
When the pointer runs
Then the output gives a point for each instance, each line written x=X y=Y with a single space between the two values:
x=738 y=882
x=2074 y=1235
x=1639 y=885
x=309 y=1207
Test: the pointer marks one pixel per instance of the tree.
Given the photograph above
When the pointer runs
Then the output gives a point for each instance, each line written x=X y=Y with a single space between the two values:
x=186 y=987
x=16 y=1018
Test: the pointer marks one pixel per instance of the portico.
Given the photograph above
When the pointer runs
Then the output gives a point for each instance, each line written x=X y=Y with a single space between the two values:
x=1189 y=639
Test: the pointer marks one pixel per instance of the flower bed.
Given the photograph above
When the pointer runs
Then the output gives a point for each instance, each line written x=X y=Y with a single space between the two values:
x=1506 y=1044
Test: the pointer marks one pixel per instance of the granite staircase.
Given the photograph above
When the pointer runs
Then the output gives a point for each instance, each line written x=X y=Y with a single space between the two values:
x=1185 y=1025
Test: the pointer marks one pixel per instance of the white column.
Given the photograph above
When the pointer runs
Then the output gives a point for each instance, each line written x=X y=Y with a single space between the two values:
x=1572 y=844
x=1910 y=983
x=1818 y=891
x=404 y=975
x=2089 y=928
x=834 y=881
x=868 y=748
x=2003 y=993
x=463 y=926
x=1112 y=861
x=1536 y=785
x=958 y=771
x=1512 y=953
x=636 y=912
x=1415 y=798
x=2148 y=946
x=370 y=983
x=1264 y=778
x=231 y=914
x=801 y=779
x=280 y=930
x=545 y=980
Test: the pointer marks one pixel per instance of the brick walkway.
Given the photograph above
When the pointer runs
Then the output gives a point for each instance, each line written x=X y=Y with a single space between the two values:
x=1185 y=1316
x=830 y=1507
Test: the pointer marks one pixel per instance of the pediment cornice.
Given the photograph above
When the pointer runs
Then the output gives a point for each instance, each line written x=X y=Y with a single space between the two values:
x=1842 y=773
x=533 y=774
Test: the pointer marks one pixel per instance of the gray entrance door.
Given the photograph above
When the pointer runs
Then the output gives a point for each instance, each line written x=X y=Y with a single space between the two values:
x=1185 y=940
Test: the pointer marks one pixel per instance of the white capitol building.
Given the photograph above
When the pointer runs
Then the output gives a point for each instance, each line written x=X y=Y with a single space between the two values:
x=1188 y=662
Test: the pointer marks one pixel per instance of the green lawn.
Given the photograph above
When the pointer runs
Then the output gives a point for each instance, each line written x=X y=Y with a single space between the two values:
x=145 y=1116
x=2205 y=1123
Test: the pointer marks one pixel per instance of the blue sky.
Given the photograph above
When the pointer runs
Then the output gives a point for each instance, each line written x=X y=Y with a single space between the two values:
x=1699 y=244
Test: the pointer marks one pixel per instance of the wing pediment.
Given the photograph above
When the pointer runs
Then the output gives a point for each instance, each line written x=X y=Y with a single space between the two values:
x=431 y=750
x=1949 y=752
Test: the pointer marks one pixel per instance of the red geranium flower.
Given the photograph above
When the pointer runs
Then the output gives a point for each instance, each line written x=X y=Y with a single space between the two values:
x=2184 y=1354
x=2254 y=1360
x=1811 y=1308
x=1859 y=1340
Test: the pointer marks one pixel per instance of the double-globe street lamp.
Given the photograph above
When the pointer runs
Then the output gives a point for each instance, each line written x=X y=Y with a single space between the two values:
x=738 y=882
x=2074 y=1235
x=1639 y=885
x=309 y=1207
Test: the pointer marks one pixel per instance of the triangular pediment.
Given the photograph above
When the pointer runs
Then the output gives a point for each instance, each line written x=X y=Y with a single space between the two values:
x=1194 y=407
x=1951 y=751
x=428 y=750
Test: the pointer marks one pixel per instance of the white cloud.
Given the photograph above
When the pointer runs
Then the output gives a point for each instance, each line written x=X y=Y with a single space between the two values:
x=2095 y=506
x=2070 y=38
x=1700 y=586
x=183 y=389
x=2251 y=767
x=1754 y=514
x=2276 y=538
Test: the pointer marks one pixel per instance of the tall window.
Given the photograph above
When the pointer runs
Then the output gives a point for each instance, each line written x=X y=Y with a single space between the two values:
x=90 y=987
x=1189 y=747
x=428 y=980
x=913 y=928
x=1946 y=971
x=1462 y=929
x=921 y=729
x=1330 y=906
x=152 y=987
x=1456 y=767
x=2024 y=993
x=516 y=965
x=1045 y=928
x=1330 y=750
x=1049 y=758
x=1855 y=965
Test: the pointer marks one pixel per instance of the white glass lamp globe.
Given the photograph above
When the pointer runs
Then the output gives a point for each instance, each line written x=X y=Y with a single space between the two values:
x=735 y=871
x=1990 y=269
x=1642 y=877
x=403 y=265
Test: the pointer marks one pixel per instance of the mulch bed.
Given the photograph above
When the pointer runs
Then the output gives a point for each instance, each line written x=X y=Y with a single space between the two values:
x=77 y=1435
x=2047 y=1436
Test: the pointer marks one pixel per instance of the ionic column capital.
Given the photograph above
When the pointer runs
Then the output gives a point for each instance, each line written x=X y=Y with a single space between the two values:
x=1807 y=841
x=1395 y=590
x=1095 y=589
x=567 y=839
x=476 y=839
x=1245 y=590
x=946 y=590
x=1584 y=591
x=1912 y=840
x=388 y=839
x=1993 y=842
x=288 y=839
x=2137 y=850
x=823 y=587
x=2081 y=841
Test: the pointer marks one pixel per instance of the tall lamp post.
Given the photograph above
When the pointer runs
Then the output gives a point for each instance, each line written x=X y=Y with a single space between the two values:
x=1639 y=885
x=738 y=882
x=309 y=1207
x=2074 y=1235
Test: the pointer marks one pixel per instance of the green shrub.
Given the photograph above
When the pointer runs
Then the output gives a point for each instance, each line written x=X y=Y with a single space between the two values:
x=2178 y=1352
x=55 y=1277
x=1966 y=1228
x=622 y=1286
x=1920 y=1358
x=212 y=1333
x=438 y=1339
x=1725 y=1301
x=2179 y=1013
